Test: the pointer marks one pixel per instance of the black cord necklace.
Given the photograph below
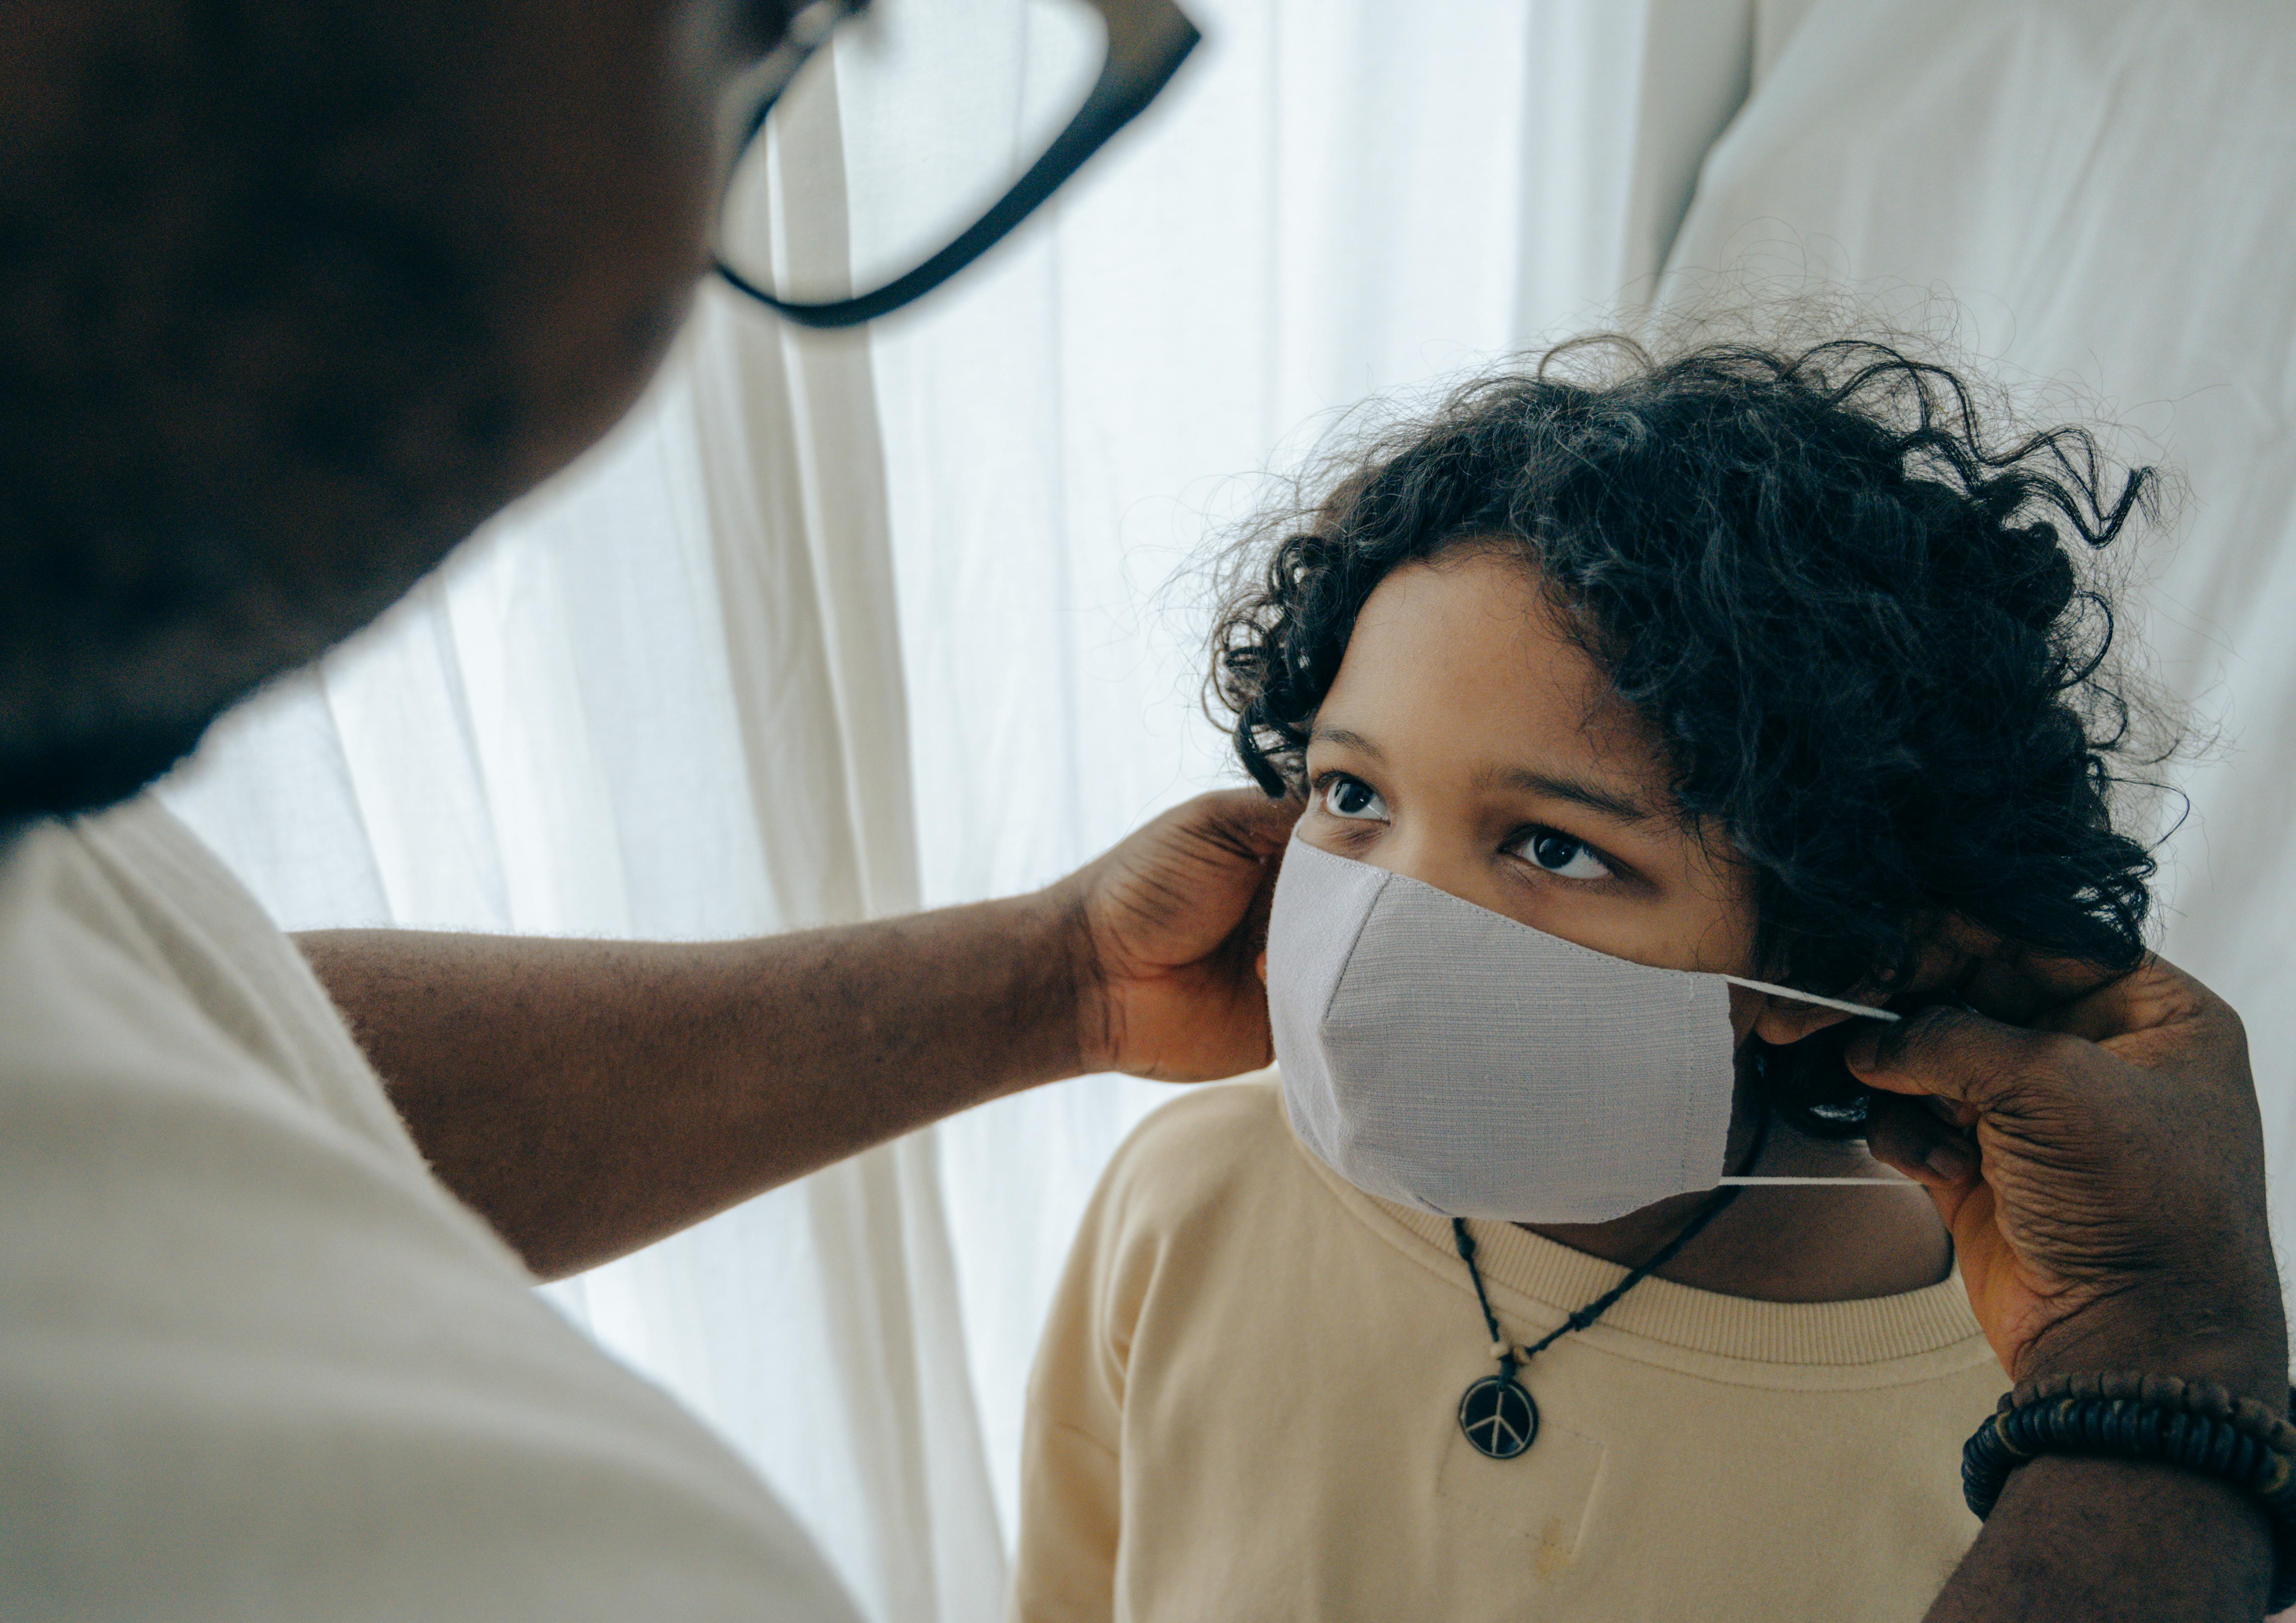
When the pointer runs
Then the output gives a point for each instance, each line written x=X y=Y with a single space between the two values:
x=1497 y=1413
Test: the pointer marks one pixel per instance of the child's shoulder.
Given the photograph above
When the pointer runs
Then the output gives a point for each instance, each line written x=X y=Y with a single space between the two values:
x=1204 y=1148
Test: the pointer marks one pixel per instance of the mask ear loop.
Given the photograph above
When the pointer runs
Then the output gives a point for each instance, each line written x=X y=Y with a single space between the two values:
x=1843 y=1003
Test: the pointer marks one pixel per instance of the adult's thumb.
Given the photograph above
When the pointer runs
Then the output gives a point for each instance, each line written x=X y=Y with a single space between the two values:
x=1955 y=1054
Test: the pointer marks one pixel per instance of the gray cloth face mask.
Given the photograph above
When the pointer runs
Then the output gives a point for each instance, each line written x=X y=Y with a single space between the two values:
x=1448 y=1058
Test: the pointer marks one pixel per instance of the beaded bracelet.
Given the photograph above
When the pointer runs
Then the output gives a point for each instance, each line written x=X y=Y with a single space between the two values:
x=2125 y=1414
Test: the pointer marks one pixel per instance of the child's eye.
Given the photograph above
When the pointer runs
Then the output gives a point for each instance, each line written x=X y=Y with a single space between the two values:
x=1352 y=797
x=1563 y=857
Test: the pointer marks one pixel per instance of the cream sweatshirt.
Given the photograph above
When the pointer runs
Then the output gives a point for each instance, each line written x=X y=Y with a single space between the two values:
x=1244 y=1408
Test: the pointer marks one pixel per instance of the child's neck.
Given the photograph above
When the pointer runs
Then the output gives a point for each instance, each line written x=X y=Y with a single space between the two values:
x=1822 y=1244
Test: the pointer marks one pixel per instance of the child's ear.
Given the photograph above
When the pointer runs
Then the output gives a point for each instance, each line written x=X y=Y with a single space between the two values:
x=1783 y=1021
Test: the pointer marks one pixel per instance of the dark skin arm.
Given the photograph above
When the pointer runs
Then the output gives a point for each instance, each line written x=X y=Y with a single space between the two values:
x=588 y=1097
x=2102 y=1168
x=2105 y=1541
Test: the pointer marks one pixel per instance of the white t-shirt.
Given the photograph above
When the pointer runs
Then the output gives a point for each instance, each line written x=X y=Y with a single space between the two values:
x=256 y=1362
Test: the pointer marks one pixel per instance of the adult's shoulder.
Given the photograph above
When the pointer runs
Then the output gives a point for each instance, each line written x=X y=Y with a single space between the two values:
x=187 y=941
x=229 y=1301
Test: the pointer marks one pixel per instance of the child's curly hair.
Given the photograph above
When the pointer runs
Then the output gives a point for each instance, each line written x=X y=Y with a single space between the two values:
x=1853 y=618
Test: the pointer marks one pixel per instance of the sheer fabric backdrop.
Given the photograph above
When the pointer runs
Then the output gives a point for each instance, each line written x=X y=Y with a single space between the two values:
x=837 y=626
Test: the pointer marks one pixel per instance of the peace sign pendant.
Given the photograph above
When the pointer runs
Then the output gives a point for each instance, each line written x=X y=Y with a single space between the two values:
x=1499 y=1416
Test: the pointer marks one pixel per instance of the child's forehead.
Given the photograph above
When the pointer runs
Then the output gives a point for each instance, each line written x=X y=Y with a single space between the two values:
x=1465 y=658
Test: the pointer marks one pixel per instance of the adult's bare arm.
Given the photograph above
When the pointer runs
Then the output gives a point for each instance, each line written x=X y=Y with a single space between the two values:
x=587 y=1097
x=2102 y=1173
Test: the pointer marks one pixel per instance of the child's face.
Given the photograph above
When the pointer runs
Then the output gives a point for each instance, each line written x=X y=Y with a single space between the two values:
x=1468 y=744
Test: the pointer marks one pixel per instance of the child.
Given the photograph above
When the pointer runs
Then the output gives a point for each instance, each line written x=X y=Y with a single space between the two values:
x=1604 y=684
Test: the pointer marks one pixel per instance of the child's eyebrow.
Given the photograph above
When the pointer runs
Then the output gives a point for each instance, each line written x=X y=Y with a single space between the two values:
x=1611 y=803
x=1579 y=790
x=1348 y=739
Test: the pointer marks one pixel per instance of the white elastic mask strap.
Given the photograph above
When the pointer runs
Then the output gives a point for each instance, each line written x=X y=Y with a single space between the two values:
x=1847 y=1007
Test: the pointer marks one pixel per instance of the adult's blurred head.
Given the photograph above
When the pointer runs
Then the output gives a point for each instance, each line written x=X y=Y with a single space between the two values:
x=294 y=293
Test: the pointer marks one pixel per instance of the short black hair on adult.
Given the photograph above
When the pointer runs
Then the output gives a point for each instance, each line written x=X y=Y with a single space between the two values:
x=1862 y=624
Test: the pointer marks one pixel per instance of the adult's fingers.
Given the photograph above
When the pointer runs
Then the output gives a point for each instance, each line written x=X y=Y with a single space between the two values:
x=1245 y=819
x=2021 y=988
x=1903 y=1135
x=2153 y=1009
x=2111 y=1211
x=1951 y=1053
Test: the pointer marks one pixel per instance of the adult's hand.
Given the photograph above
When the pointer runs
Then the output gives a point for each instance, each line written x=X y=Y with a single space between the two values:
x=1169 y=925
x=590 y=1097
x=2102 y=1168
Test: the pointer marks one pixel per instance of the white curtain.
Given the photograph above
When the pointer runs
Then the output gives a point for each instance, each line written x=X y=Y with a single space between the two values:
x=837 y=626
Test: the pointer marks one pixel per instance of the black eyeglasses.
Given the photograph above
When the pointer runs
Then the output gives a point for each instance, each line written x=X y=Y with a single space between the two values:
x=1145 y=42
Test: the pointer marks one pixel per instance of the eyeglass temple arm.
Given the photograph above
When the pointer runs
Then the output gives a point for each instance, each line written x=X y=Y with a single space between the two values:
x=1141 y=61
